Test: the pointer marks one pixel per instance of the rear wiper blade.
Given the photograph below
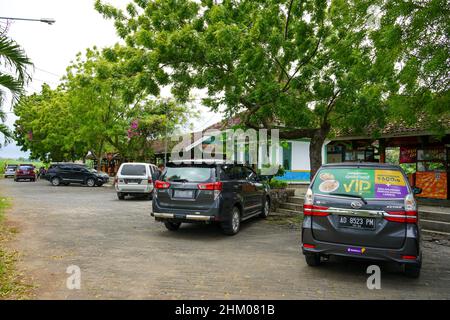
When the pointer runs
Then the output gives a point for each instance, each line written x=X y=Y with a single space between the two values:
x=349 y=195
x=179 y=180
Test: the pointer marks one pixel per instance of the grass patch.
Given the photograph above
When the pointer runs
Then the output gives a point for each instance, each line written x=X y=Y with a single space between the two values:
x=11 y=283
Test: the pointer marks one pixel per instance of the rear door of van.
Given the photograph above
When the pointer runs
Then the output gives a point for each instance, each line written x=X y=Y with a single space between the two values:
x=361 y=206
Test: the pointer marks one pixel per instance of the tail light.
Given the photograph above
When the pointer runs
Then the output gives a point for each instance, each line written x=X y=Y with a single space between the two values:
x=149 y=181
x=309 y=197
x=161 y=184
x=408 y=216
x=210 y=186
x=402 y=216
x=216 y=186
x=312 y=210
x=116 y=180
x=309 y=246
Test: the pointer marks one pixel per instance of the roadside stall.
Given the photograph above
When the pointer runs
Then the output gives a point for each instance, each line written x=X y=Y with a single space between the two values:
x=432 y=168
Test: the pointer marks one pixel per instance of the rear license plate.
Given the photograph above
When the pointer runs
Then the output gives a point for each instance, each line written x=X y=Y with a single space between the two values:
x=183 y=194
x=133 y=181
x=357 y=222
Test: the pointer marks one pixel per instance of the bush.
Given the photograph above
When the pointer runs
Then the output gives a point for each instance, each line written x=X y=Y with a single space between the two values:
x=277 y=184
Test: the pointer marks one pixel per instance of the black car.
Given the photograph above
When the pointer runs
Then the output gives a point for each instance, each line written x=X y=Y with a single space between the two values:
x=365 y=211
x=66 y=173
x=209 y=192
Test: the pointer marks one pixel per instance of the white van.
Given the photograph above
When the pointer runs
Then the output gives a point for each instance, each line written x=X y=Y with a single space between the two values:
x=135 y=179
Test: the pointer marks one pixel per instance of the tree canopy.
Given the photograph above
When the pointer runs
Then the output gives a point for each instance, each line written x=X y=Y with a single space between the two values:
x=13 y=76
x=99 y=106
x=305 y=67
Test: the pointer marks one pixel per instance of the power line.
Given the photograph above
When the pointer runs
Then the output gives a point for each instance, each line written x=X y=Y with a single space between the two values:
x=52 y=73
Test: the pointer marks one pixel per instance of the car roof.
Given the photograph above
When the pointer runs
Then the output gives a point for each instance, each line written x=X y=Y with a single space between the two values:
x=141 y=163
x=200 y=161
x=362 y=164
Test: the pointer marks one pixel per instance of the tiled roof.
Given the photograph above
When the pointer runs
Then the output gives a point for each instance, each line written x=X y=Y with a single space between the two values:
x=423 y=126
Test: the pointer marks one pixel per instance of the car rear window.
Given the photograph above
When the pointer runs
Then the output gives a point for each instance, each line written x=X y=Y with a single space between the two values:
x=189 y=174
x=133 y=170
x=25 y=168
x=366 y=182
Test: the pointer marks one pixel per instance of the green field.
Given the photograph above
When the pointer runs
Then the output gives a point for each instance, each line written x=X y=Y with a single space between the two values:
x=4 y=162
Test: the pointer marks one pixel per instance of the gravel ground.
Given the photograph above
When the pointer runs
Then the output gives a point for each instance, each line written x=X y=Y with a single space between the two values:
x=123 y=253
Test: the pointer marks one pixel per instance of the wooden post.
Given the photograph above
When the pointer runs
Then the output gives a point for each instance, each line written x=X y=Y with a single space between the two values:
x=382 y=150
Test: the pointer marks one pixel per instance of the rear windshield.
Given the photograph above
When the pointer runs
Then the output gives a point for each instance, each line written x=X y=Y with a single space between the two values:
x=189 y=174
x=133 y=170
x=365 y=182
x=26 y=168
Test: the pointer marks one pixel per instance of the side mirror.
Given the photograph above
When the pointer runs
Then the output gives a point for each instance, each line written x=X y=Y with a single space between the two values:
x=416 y=190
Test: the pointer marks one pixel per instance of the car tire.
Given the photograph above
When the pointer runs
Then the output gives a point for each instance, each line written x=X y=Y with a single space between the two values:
x=233 y=225
x=172 y=226
x=56 y=181
x=90 y=182
x=121 y=196
x=312 y=259
x=265 y=209
x=149 y=196
x=412 y=270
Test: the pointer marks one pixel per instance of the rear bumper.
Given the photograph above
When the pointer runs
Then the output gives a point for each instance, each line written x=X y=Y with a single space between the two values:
x=410 y=248
x=186 y=215
x=25 y=177
x=9 y=174
x=127 y=188
x=182 y=217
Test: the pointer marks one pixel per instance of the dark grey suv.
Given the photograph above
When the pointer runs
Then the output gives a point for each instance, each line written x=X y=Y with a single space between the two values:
x=67 y=173
x=362 y=210
x=209 y=192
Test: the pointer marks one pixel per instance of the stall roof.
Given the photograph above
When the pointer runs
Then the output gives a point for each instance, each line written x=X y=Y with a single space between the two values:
x=422 y=127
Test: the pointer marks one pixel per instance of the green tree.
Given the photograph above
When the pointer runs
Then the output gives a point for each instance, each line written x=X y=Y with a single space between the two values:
x=308 y=68
x=45 y=126
x=93 y=110
x=13 y=59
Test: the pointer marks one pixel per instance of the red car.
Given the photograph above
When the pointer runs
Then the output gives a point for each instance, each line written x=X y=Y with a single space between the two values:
x=25 y=172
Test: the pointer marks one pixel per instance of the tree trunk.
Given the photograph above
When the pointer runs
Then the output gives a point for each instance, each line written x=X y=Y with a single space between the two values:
x=100 y=156
x=315 y=149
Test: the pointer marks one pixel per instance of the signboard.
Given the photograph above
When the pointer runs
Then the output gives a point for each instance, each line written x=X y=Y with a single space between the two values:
x=431 y=154
x=369 y=183
x=408 y=155
x=433 y=184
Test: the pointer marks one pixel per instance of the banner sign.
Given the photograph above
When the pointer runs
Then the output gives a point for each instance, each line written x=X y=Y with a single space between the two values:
x=408 y=155
x=369 y=183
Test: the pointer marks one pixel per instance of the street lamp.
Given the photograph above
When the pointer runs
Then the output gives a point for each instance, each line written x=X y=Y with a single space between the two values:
x=49 y=21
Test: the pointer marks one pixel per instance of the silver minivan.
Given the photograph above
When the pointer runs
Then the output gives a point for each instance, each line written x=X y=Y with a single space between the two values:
x=135 y=179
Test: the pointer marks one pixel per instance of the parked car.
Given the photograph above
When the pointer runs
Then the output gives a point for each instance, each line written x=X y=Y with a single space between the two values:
x=209 y=192
x=67 y=173
x=10 y=170
x=24 y=172
x=362 y=210
x=135 y=179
